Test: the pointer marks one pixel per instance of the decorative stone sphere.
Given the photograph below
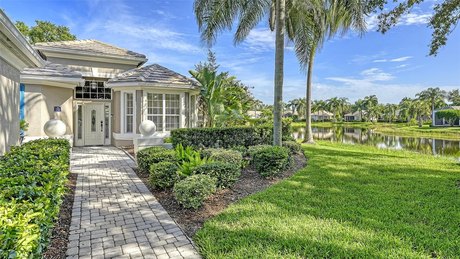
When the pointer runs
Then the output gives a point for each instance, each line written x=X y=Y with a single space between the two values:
x=55 y=128
x=147 y=128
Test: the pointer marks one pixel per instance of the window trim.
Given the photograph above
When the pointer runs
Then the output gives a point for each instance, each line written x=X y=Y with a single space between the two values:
x=123 y=111
x=92 y=99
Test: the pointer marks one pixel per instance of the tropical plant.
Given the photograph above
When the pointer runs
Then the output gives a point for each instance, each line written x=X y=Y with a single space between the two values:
x=389 y=112
x=214 y=16
x=338 y=106
x=372 y=110
x=454 y=97
x=421 y=110
x=405 y=109
x=311 y=27
x=360 y=106
x=434 y=96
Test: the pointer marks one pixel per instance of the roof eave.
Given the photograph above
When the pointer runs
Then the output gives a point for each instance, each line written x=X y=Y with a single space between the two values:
x=115 y=85
x=59 y=81
x=15 y=39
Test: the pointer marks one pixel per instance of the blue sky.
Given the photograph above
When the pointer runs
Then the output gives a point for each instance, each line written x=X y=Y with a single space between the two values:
x=390 y=66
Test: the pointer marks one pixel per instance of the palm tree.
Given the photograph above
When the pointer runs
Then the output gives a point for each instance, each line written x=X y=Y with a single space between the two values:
x=212 y=91
x=454 y=97
x=360 y=106
x=421 y=109
x=214 y=16
x=312 y=28
x=390 y=112
x=337 y=106
x=371 y=103
x=434 y=96
x=405 y=109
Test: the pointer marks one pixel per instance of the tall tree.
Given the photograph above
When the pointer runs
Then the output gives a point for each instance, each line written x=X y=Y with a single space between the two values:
x=389 y=112
x=454 y=97
x=44 y=31
x=337 y=106
x=446 y=14
x=214 y=16
x=313 y=27
x=434 y=96
x=360 y=106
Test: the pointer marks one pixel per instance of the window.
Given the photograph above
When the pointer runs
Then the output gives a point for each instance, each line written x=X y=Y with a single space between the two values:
x=129 y=112
x=93 y=121
x=79 y=122
x=155 y=109
x=164 y=110
x=106 y=121
x=93 y=90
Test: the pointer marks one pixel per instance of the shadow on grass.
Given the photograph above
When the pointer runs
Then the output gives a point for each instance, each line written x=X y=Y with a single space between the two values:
x=347 y=203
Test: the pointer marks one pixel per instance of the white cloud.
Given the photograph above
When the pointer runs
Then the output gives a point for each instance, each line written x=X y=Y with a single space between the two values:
x=400 y=59
x=260 y=39
x=405 y=20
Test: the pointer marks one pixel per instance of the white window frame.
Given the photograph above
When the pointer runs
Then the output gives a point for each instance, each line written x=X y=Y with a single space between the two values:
x=123 y=111
x=181 y=106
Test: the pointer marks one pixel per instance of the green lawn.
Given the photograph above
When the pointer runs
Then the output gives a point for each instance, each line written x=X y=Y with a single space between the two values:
x=400 y=129
x=350 y=201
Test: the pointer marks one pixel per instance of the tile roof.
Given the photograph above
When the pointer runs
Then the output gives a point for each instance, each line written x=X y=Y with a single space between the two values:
x=154 y=74
x=51 y=69
x=322 y=113
x=91 y=46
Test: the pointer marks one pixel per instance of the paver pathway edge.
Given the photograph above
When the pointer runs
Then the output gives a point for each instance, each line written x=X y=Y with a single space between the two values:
x=114 y=214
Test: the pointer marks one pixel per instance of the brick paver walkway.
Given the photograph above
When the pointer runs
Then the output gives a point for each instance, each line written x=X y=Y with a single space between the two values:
x=114 y=214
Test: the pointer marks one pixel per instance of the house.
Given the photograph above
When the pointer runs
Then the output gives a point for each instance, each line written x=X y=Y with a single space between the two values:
x=104 y=92
x=15 y=55
x=353 y=116
x=321 y=115
x=441 y=121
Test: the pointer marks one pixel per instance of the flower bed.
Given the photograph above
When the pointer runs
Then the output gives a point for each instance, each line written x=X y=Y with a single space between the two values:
x=32 y=183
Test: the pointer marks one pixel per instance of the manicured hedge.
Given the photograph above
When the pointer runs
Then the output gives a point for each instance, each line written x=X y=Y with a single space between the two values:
x=270 y=161
x=224 y=155
x=193 y=190
x=149 y=156
x=32 y=183
x=163 y=175
x=226 y=174
x=227 y=137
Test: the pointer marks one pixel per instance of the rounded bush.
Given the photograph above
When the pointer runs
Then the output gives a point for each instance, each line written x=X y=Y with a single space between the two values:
x=223 y=155
x=163 y=175
x=149 y=156
x=226 y=174
x=193 y=190
x=270 y=161
x=294 y=147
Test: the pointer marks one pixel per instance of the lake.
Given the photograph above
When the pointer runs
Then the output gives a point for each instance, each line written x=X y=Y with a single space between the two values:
x=370 y=137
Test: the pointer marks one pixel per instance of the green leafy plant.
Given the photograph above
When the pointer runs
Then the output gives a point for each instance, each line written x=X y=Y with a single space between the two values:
x=450 y=115
x=163 y=175
x=186 y=167
x=224 y=155
x=226 y=174
x=294 y=147
x=23 y=125
x=192 y=191
x=32 y=183
x=270 y=161
x=149 y=156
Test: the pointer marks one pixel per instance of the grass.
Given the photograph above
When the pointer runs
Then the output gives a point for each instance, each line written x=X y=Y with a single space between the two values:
x=350 y=201
x=399 y=129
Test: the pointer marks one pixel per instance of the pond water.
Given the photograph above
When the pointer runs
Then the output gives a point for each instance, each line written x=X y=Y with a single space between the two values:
x=370 y=137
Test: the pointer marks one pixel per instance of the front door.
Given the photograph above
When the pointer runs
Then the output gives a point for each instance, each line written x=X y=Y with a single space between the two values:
x=94 y=124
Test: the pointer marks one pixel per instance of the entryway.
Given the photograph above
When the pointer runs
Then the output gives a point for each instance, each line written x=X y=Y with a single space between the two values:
x=93 y=124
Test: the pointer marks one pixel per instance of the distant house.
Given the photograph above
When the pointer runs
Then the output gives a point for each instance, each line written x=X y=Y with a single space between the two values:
x=321 y=115
x=353 y=116
x=15 y=55
x=441 y=121
x=254 y=114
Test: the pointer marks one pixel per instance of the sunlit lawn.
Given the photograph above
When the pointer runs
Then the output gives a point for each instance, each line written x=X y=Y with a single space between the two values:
x=350 y=201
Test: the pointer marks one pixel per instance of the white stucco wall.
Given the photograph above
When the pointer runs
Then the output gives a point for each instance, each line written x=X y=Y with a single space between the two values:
x=9 y=106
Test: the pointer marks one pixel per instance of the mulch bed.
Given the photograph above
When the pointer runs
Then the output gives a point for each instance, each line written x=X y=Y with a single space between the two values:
x=250 y=182
x=57 y=247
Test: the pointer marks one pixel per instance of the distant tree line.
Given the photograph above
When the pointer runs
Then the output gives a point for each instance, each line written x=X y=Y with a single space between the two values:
x=416 y=110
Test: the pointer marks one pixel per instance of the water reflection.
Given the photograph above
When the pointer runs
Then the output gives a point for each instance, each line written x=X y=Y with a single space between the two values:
x=367 y=136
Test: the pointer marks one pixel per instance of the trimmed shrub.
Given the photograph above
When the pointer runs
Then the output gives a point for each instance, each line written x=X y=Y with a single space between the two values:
x=163 y=175
x=200 y=138
x=223 y=155
x=226 y=174
x=270 y=161
x=294 y=147
x=32 y=183
x=254 y=149
x=149 y=156
x=193 y=190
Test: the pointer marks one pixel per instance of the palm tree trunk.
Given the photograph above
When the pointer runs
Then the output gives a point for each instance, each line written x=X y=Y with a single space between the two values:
x=279 y=73
x=308 y=130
